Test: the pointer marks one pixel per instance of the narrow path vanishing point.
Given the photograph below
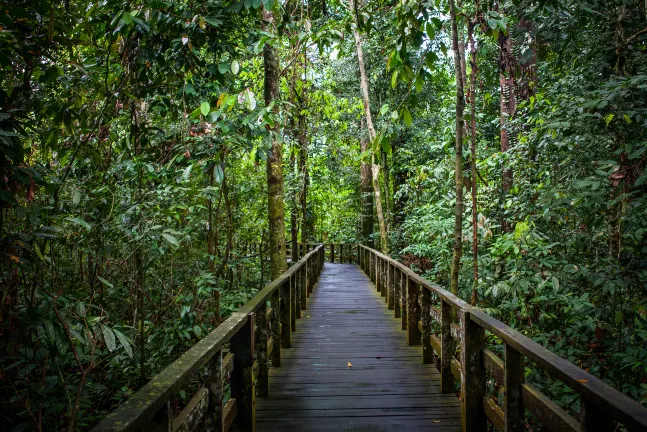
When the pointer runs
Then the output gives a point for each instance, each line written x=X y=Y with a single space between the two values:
x=350 y=368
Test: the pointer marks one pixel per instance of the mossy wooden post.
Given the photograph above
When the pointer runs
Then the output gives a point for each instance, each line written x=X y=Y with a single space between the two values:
x=391 y=284
x=380 y=277
x=447 y=348
x=592 y=418
x=297 y=293
x=242 y=379
x=261 y=351
x=425 y=334
x=371 y=263
x=332 y=252
x=213 y=381
x=293 y=302
x=514 y=372
x=473 y=371
x=275 y=328
x=403 y=299
x=303 y=287
x=413 y=313
x=308 y=268
x=397 y=288
x=286 y=337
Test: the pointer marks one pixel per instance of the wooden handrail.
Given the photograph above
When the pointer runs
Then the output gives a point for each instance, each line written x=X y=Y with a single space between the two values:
x=255 y=325
x=602 y=405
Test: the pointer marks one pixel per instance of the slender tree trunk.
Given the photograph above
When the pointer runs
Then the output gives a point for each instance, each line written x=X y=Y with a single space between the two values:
x=472 y=92
x=303 y=172
x=275 y=196
x=366 y=189
x=508 y=104
x=294 y=210
x=458 y=173
x=375 y=168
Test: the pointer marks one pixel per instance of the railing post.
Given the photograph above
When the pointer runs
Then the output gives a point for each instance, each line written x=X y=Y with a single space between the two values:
x=261 y=351
x=285 y=314
x=293 y=302
x=473 y=371
x=297 y=293
x=242 y=379
x=397 y=279
x=425 y=317
x=341 y=253
x=593 y=419
x=380 y=277
x=514 y=372
x=275 y=324
x=163 y=420
x=309 y=271
x=373 y=263
x=403 y=299
x=332 y=252
x=390 y=286
x=214 y=378
x=413 y=313
x=303 y=287
x=447 y=348
x=359 y=260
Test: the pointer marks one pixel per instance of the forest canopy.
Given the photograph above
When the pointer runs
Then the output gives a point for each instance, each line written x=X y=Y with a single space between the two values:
x=160 y=159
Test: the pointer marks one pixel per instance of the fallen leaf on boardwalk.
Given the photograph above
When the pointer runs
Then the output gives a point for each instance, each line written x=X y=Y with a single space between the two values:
x=350 y=365
x=436 y=421
x=582 y=380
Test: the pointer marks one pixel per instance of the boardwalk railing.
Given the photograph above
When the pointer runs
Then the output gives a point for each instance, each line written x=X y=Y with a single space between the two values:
x=423 y=305
x=254 y=336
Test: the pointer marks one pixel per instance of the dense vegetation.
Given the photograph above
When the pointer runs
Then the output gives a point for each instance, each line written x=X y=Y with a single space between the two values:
x=156 y=157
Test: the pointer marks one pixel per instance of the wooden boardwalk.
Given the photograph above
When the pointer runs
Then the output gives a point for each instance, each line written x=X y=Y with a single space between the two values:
x=350 y=368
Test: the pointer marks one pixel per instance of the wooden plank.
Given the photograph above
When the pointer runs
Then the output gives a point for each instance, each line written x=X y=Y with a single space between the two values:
x=193 y=412
x=413 y=313
x=494 y=413
x=286 y=313
x=493 y=365
x=242 y=376
x=473 y=383
x=262 y=360
x=447 y=348
x=514 y=372
x=547 y=412
x=229 y=414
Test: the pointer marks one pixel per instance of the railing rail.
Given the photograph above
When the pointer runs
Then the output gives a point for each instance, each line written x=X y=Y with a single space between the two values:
x=412 y=298
x=255 y=334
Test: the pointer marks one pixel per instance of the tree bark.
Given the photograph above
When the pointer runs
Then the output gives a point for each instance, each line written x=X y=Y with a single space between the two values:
x=275 y=196
x=375 y=168
x=366 y=189
x=508 y=105
x=472 y=97
x=458 y=172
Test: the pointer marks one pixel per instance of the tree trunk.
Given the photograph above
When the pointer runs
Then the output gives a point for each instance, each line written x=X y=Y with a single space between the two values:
x=458 y=174
x=294 y=210
x=508 y=104
x=472 y=94
x=275 y=196
x=366 y=190
x=375 y=169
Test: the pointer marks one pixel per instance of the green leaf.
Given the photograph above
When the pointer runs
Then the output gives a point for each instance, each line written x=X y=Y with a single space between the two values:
x=218 y=174
x=187 y=172
x=123 y=340
x=235 y=67
x=38 y=252
x=223 y=67
x=394 y=79
x=213 y=21
x=108 y=337
x=127 y=18
x=105 y=282
x=406 y=115
x=172 y=240
x=78 y=221
x=80 y=309
x=205 y=108
x=197 y=330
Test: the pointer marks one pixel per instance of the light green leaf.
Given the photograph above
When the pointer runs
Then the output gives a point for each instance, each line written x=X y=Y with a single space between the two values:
x=223 y=67
x=235 y=67
x=123 y=340
x=108 y=337
x=105 y=282
x=205 y=108
x=172 y=240
x=407 y=117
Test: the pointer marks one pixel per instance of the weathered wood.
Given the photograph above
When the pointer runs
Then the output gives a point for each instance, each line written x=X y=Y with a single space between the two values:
x=189 y=418
x=447 y=348
x=493 y=365
x=594 y=418
x=275 y=329
x=261 y=351
x=286 y=315
x=404 y=280
x=397 y=280
x=242 y=377
x=494 y=413
x=270 y=347
x=163 y=420
x=413 y=313
x=229 y=414
x=332 y=252
x=473 y=382
x=435 y=314
x=391 y=287
x=303 y=288
x=551 y=416
x=425 y=331
x=297 y=294
x=514 y=372
x=213 y=380
x=293 y=302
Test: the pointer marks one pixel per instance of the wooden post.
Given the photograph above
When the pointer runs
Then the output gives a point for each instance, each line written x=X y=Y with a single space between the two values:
x=473 y=371
x=359 y=254
x=163 y=420
x=332 y=252
x=303 y=287
x=285 y=314
x=514 y=372
x=425 y=334
x=293 y=302
x=397 y=284
x=309 y=269
x=297 y=293
x=214 y=377
x=275 y=328
x=447 y=348
x=413 y=313
x=341 y=253
x=261 y=351
x=242 y=379
x=383 y=286
x=403 y=299
x=594 y=419
x=390 y=283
